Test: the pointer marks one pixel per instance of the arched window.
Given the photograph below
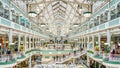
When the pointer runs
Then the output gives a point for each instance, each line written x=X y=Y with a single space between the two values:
x=1 y=9
x=113 y=13
x=118 y=10
x=101 y=19
x=17 y=18
x=6 y=12
x=105 y=17
x=13 y=15
x=91 y=24
x=96 y=21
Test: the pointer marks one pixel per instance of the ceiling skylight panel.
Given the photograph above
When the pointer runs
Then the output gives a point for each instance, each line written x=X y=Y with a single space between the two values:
x=71 y=15
x=62 y=8
x=49 y=8
x=57 y=5
x=63 y=4
x=71 y=0
x=68 y=8
x=80 y=1
x=46 y=15
x=47 y=0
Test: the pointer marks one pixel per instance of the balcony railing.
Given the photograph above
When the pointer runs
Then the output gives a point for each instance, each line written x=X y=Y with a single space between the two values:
x=112 y=59
x=8 y=59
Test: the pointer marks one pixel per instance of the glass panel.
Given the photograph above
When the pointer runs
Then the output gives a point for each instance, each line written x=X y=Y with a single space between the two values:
x=6 y=13
x=113 y=14
x=118 y=10
x=1 y=10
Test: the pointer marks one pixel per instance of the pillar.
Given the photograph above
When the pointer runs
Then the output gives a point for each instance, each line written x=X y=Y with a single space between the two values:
x=88 y=42
x=10 y=14
x=109 y=16
x=108 y=37
x=88 y=60
x=19 y=40
x=33 y=41
x=74 y=60
x=93 y=41
x=10 y=36
x=84 y=41
x=25 y=38
x=30 y=62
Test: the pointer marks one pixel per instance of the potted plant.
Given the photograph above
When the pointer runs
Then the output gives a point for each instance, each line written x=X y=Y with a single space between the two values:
x=106 y=52
x=106 y=49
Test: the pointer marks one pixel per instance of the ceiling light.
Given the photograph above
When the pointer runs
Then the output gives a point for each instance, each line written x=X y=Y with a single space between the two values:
x=80 y=10
x=42 y=24
x=32 y=14
x=50 y=52
x=47 y=29
x=70 y=29
x=75 y=24
x=87 y=14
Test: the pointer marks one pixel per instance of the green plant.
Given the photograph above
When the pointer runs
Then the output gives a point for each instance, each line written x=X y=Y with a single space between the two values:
x=96 y=48
x=89 y=51
x=106 y=49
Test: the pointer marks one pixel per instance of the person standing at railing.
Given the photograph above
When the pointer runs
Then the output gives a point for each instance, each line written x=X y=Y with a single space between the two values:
x=8 y=53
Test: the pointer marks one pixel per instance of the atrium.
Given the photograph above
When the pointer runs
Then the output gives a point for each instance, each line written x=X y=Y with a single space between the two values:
x=59 y=34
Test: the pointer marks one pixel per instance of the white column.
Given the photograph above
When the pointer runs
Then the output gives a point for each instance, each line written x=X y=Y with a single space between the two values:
x=10 y=36
x=108 y=37
x=88 y=42
x=93 y=41
x=10 y=14
x=19 y=40
x=30 y=62
x=99 y=40
x=109 y=16
x=29 y=43
x=88 y=60
x=25 y=38
x=84 y=41
x=37 y=42
x=33 y=41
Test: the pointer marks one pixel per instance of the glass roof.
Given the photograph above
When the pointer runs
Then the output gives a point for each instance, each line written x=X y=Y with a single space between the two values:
x=60 y=16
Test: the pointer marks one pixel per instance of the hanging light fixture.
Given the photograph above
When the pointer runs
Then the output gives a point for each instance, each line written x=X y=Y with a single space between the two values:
x=88 y=13
x=42 y=24
x=32 y=14
x=75 y=24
